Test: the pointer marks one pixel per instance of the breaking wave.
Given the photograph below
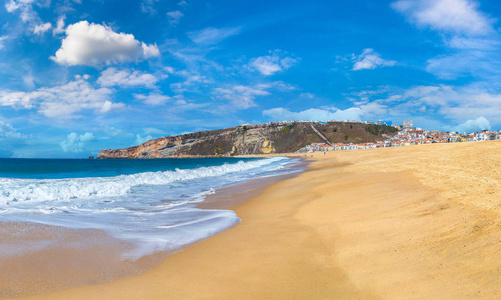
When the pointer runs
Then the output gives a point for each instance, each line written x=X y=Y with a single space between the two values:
x=41 y=190
x=154 y=211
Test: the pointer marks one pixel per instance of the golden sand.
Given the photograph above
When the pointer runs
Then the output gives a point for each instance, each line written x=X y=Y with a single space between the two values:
x=420 y=222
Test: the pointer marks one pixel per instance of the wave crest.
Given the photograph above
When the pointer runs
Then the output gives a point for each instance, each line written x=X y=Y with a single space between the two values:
x=40 y=190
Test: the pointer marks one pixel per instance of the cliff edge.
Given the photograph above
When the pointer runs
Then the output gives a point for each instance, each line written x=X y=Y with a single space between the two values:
x=252 y=139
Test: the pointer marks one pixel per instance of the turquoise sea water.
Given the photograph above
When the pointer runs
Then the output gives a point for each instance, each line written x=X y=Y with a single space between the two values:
x=148 y=203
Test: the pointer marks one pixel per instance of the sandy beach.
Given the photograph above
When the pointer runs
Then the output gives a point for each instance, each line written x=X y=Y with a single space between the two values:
x=417 y=222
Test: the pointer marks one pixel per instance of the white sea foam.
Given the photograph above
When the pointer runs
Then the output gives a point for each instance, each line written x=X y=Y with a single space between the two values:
x=14 y=190
x=154 y=210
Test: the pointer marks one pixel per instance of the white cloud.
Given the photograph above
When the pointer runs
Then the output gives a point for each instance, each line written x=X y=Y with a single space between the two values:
x=95 y=45
x=109 y=106
x=14 y=5
x=60 y=26
x=463 y=43
x=68 y=99
x=142 y=139
x=15 y=99
x=174 y=16
x=370 y=60
x=212 y=36
x=150 y=51
x=454 y=103
x=126 y=78
x=241 y=96
x=3 y=38
x=8 y=132
x=473 y=125
x=152 y=98
x=63 y=101
x=479 y=63
x=88 y=136
x=438 y=105
x=182 y=3
x=433 y=106
x=271 y=64
x=353 y=113
x=463 y=28
x=456 y=16
x=76 y=143
x=25 y=8
x=42 y=28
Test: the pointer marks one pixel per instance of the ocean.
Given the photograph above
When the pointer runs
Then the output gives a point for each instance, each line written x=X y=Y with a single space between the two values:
x=149 y=204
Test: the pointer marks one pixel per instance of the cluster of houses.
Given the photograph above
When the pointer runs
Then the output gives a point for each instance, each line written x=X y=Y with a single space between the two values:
x=406 y=137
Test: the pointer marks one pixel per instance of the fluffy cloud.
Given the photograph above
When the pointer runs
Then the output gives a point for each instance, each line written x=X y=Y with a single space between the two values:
x=76 y=143
x=456 y=16
x=95 y=45
x=15 y=99
x=68 y=99
x=454 y=103
x=42 y=28
x=212 y=36
x=464 y=28
x=241 y=96
x=152 y=99
x=433 y=106
x=429 y=106
x=25 y=7
x=60 y=26
x=271 y=64
x=370 y=60
x=174 y=16
x=126 y=78
x=150 y=51
x=353 y=113
x=473 y=125
x=63 y=101
x=13 y=5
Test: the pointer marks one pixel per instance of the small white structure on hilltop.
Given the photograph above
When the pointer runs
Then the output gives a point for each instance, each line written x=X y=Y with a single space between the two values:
x=408 y=124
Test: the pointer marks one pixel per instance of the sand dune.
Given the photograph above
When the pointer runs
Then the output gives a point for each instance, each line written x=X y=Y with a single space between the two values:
x=420 y=222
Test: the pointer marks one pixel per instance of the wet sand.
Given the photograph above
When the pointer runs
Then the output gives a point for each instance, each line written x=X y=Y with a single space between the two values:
x=396 y=223
x=231 y=196
x=37 y=259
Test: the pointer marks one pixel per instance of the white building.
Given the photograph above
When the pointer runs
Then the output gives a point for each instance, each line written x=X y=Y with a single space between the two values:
x=408 y=124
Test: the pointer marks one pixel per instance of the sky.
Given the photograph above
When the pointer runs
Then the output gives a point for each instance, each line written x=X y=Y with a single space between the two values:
x=78 y=76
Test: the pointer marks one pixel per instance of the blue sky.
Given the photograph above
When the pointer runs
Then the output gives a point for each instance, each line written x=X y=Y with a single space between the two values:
x=78 y=76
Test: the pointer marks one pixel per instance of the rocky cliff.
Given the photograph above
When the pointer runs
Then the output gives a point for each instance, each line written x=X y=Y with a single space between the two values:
x=252 y=139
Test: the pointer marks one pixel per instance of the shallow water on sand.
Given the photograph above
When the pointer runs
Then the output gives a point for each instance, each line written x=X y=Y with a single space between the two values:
x=108 y=226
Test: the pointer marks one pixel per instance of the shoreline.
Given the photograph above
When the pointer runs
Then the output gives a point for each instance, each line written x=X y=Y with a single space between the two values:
x=233 y=195
x=409 y=222
x=43 y=260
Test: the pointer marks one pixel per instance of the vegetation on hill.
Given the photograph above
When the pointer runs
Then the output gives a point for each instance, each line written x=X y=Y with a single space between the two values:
x=253 y=139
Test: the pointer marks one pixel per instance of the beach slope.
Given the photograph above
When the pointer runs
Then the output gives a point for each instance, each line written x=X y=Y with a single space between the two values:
x=396 y=223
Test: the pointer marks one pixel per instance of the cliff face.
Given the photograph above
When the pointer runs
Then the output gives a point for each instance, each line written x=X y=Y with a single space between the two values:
x=250 y=139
